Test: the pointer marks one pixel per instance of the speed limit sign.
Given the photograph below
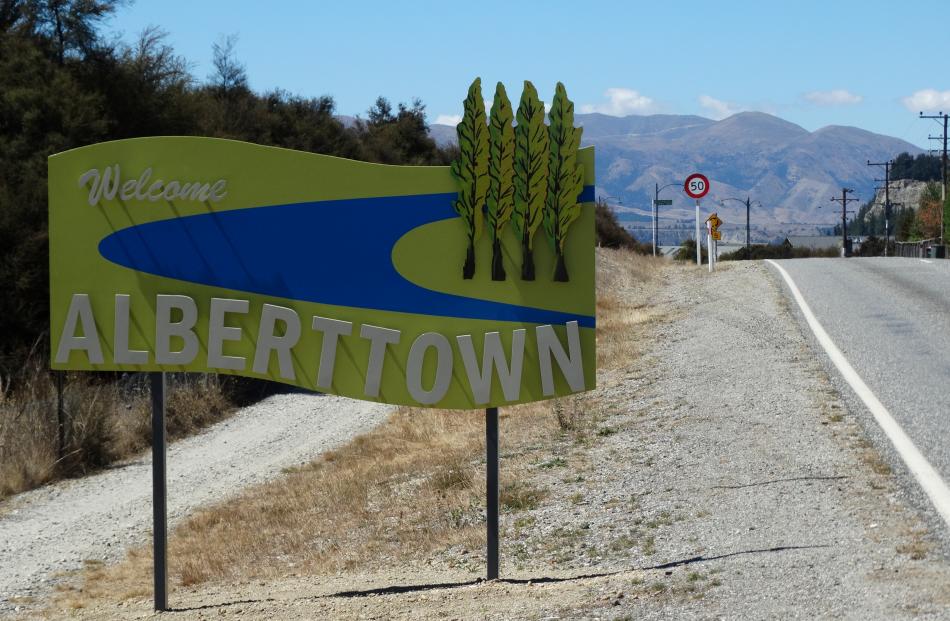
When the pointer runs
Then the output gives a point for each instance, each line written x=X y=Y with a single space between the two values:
x=696 y=186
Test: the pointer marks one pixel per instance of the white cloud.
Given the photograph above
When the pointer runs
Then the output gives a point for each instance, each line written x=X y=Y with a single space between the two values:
x=718 y=108
x=927 y=100
x=622 y=102
x=837 y=97
x=448 y=119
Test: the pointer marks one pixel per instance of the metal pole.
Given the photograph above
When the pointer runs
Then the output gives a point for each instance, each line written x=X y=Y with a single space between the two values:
x=748 y=235
x=943 y=169
x=943 y=189
x=887 y=204
x=844 y=223
x=159 y=496
x=656 y=197
x=699 y=240
x=491 y=487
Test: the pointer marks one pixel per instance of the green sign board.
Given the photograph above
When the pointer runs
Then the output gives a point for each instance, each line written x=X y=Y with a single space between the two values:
x=663 y=201
x=369 y=281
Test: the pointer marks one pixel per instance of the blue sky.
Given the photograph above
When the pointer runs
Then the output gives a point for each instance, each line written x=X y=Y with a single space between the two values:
x=871 y=63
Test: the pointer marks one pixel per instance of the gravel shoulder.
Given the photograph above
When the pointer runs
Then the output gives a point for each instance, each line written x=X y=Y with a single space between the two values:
x=51 y=531
x=724 y=478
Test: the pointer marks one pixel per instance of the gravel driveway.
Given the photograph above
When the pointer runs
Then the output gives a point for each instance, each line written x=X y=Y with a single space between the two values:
x=57 y=527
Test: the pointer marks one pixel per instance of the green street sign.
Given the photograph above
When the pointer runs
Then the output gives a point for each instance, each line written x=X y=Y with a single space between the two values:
x=663 y=201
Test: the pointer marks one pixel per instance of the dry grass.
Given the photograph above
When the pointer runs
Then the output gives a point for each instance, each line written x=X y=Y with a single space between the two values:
x=395 y=495
x=623 y=276
x=106 y=420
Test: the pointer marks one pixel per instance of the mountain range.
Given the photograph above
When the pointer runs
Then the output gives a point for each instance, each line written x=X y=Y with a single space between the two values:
x=789 y=173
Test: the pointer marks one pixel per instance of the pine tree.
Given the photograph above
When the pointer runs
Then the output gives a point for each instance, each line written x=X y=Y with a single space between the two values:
x=471 y=170
x=531 y=174
x=501 y=172
x=565 y=177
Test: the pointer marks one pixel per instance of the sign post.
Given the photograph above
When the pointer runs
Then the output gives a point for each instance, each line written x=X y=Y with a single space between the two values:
x=699 y=239
x=491 y=489
x=696 y=186
x=159 y=492
x=712 y=225
x=653 y=223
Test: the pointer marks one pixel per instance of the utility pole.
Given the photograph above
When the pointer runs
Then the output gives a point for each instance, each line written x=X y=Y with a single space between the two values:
x=943 y=166
x=887 y=197
x=844 y=200
x=748 y=234
x=656 y=211
x=748 y=226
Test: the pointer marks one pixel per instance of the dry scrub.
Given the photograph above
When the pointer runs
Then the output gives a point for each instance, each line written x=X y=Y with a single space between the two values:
x=393 y=496
x=106 y=419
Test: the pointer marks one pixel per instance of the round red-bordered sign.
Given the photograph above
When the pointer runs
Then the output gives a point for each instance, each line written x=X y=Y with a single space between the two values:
x=696 y=186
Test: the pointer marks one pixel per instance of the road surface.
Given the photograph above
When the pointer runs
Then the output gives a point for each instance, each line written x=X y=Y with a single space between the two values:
x=890 y=317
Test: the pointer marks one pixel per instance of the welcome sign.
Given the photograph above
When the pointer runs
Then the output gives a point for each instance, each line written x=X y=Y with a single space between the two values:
x=400 y=284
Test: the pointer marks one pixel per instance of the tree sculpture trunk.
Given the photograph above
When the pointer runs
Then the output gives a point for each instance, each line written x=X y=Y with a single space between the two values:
x=497 y=268
x=468 y=270
x=527 y=260
x=560 y=270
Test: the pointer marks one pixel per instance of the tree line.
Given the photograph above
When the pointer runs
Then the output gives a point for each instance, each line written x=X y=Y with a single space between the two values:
x=922 y=167
x=526 y=174
x=905 y=222
x=63 y=84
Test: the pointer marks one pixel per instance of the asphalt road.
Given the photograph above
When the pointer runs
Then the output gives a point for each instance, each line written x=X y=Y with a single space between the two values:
x=890 y=317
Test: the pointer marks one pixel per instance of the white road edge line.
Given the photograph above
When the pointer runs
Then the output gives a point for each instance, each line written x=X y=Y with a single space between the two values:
x=925 y=474
x=926 y=261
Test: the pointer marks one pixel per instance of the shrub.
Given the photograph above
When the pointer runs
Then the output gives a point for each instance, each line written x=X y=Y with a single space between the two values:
x=687 y=252
x=107 y=417
x=776 y=251
x=611 y=234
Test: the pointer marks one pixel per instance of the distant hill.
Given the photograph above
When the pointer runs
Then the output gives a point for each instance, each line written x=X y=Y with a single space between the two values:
x=792 y=172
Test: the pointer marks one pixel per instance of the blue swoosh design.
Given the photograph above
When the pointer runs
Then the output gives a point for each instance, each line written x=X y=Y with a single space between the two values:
x=279 y=251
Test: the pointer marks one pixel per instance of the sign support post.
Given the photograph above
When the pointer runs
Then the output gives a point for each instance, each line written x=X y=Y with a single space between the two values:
x=159 y=496
x=699 y=243
x=655 y=208
x=696 y=186
x=491 y=488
